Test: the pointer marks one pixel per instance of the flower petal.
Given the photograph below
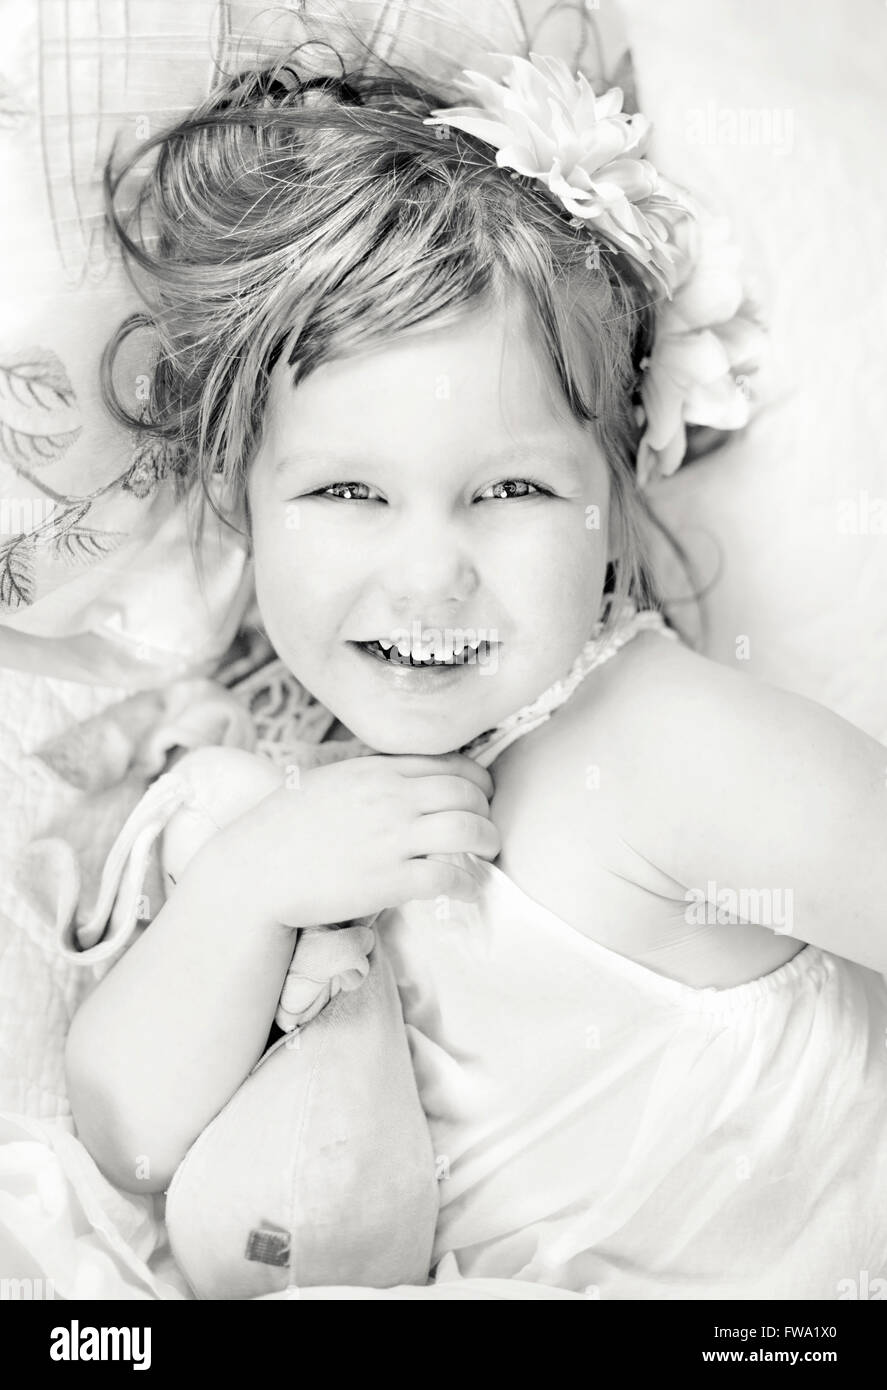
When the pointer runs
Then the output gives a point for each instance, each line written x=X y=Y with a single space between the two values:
x=745 y=341
x=662 y=462
x=663 y=406
x=523 y=159
x=610 y=103
x=719 y=404
x=474 y=122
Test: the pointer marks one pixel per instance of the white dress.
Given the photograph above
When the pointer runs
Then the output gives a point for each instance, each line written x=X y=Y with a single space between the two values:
x=608 y=1130
x=598 y=1127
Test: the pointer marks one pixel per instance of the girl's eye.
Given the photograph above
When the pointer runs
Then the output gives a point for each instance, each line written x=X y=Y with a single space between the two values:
x=349 y=492
x=512 y=487
x=509 y=487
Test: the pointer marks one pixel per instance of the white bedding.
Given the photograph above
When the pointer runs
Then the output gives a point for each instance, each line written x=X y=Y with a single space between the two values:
x=61 y=1223
x=38 y=989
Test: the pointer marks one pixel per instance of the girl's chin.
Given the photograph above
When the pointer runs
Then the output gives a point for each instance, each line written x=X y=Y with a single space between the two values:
x=401 y=744
x=401 y=735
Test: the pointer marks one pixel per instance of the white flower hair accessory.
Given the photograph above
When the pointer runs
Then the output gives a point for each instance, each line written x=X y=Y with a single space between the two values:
x=547 y=124
x=708 y=342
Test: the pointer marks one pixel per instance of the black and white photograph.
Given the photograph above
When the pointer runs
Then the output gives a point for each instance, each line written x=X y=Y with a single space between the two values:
x=443 y=664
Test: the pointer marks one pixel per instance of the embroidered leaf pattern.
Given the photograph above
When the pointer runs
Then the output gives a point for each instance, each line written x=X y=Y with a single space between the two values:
x=58 y=522
x=65 y=539
x=80 y=545
x=39 y=418
x=17 y=572
x=154 y=459
x=75 y=544
x=41 y=378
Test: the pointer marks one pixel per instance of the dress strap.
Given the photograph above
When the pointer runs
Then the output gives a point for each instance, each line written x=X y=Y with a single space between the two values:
x=598 y=649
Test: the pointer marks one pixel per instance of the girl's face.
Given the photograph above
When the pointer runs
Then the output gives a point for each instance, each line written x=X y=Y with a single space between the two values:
x=435 y=490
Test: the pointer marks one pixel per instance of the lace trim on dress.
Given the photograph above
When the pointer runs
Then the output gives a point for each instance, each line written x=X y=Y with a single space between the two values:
x=598 y=649
x=292 y=727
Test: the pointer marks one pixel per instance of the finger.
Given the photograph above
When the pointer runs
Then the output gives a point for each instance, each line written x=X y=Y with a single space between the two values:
x=455 y=832
x=433 y=878
x=448 y=793
x=433 y=764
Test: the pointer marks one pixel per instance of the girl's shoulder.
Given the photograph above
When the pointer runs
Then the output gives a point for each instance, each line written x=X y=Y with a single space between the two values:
x=668 y=776
x=563 y=793
x=600 y=747
x=657 y=713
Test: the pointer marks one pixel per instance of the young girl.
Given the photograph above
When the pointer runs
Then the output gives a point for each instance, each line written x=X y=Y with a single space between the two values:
x=436 y=357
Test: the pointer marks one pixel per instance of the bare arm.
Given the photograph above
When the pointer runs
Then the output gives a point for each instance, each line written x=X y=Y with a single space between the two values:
x=172 y=1031
x=727 y=783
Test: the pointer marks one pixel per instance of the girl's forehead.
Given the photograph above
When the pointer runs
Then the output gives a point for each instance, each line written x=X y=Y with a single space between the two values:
x=485 y=367
x=433 y=407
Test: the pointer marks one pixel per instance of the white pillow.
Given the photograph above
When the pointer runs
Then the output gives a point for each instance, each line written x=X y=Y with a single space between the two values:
x=777 y=112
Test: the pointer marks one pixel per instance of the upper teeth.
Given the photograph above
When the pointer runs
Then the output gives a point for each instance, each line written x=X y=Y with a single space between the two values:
x=438 y=648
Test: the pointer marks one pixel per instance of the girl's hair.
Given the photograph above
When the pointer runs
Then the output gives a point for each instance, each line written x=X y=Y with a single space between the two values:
x=319 y=217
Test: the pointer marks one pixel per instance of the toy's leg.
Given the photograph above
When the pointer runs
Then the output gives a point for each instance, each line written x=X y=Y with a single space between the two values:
x=320 y=1169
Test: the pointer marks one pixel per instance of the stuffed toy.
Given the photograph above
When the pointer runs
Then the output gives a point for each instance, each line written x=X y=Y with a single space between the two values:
x=320 y=1169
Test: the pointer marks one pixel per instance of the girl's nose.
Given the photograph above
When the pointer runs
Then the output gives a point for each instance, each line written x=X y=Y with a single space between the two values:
x=428 y=564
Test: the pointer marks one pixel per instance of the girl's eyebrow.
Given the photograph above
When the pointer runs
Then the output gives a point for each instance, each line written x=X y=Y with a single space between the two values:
x=527 y=451
x=322 y=457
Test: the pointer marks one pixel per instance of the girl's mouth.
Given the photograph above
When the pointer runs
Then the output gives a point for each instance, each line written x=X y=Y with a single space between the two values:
x=478 y=654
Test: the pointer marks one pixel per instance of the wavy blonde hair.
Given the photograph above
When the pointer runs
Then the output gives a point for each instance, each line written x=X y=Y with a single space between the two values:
x=319 y=216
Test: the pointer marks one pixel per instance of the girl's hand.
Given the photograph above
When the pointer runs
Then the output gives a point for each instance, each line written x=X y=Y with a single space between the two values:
x=356 y=837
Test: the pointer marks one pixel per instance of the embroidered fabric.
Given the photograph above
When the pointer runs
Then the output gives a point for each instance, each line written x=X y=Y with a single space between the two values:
x=291 y=726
